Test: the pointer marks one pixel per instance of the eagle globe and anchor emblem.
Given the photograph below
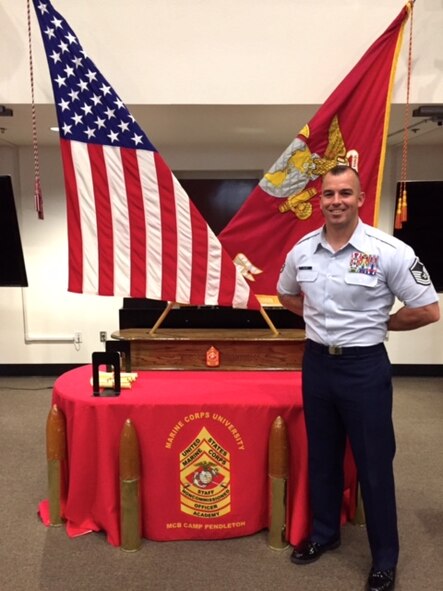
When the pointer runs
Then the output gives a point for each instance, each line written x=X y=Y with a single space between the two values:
x=291 y=174
x=205 y=474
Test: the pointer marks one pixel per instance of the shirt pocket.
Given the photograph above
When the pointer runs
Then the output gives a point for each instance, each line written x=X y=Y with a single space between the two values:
x=360 y=292
x=306 y=276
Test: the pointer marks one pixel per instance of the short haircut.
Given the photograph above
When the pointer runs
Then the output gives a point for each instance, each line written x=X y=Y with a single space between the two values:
x=339 y=169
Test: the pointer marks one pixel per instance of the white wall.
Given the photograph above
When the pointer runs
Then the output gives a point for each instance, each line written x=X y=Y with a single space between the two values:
x=224 y=52
x=32 y=317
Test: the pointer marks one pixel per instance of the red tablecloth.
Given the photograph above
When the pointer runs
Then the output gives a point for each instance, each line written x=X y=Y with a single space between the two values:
x=203 y=437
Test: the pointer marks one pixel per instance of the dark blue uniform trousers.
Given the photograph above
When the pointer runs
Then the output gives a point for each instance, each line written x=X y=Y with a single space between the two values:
x=350 y=395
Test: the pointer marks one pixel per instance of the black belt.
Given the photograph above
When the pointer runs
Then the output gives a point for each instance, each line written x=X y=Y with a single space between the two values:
x=343 y=351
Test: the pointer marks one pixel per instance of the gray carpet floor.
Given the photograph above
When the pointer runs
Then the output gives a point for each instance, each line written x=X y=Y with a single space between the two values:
x=33 y=557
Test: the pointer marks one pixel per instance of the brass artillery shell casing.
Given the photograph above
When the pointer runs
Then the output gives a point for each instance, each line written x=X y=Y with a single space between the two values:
x=278 y=462
x=56 y=455
x=278 y=451
x=56 y=434
x=130 y=514
x=277 y=520
x=359 y=517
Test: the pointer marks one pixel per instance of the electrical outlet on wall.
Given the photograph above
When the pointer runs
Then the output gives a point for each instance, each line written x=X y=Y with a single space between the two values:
x=103 y=336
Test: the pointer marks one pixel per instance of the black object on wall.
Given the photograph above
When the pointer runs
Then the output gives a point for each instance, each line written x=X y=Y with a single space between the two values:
x=218 y=200
x=423 y=230
x=12 y=263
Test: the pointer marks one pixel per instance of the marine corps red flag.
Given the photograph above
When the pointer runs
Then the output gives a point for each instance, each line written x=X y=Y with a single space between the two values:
x=351 y=127
x=132 y=230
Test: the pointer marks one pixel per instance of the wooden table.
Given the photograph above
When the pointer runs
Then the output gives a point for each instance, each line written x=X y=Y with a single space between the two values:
x=238 y=349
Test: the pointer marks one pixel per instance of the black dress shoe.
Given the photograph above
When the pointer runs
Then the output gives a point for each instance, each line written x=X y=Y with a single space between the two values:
x=309 y=551
x=381 y=580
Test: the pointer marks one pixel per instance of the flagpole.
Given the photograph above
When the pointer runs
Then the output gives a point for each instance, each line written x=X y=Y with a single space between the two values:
x=170 y=305
x=269 y=321
x=161 y=317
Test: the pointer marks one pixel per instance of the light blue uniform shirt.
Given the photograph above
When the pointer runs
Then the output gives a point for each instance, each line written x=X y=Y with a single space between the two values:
x=348 y=294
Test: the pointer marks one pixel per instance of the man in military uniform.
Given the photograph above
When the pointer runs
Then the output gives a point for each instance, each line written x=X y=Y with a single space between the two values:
x=343 y=279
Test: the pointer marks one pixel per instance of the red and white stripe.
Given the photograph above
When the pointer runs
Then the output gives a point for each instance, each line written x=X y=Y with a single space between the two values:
x=134 y=232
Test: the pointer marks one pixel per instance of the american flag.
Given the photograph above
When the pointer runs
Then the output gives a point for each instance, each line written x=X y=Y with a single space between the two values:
x=132 y=230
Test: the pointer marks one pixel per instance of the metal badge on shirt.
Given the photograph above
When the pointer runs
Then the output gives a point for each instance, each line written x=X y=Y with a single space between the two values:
x=363 y=263
x=419 y=273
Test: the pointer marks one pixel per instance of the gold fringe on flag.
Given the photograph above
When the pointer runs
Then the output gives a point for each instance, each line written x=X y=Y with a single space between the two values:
x=404 y=206
x=398 y=222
